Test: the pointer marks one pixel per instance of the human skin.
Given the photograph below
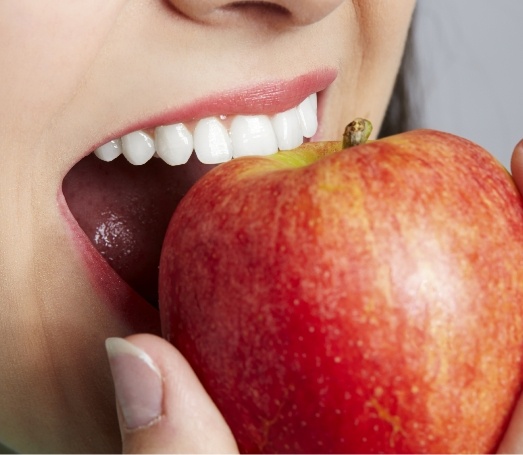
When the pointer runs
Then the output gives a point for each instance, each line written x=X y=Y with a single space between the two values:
x=76 y=74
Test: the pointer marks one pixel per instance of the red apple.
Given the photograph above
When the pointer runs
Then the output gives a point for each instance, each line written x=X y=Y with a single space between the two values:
x=368 y=300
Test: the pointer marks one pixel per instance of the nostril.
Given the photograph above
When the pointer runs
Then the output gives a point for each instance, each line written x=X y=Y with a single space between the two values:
x=259 y=6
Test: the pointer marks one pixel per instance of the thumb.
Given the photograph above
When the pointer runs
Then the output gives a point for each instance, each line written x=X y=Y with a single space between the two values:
x=516 y=165
x=162 y=407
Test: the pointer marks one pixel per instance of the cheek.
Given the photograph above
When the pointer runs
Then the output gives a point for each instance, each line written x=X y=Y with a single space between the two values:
x=384 y=30
x=370 y=41
x=49 y=46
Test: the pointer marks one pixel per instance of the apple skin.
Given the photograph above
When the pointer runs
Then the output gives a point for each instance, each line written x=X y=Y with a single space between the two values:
x=368 y=300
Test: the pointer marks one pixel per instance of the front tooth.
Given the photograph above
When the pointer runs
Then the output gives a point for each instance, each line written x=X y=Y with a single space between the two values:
x=288 y=129
x=314 y=101
x=109 y=151
x=308 y=117
x=212 y=143
x=138 y=147
x=252 y=135
x=174 y=143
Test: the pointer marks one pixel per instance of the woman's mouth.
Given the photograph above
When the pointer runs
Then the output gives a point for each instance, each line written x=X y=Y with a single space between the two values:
x=124 y=193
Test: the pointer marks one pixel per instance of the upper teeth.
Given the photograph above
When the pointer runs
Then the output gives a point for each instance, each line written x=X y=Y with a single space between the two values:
x=213 y=143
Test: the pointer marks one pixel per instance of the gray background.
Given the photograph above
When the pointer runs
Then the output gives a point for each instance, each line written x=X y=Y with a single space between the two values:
x=470 y=70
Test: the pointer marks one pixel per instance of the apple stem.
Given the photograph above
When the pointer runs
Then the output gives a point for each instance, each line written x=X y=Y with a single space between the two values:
x=357 y=132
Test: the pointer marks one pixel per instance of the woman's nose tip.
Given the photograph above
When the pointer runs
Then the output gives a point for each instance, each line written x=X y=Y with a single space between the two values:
x=297 y=12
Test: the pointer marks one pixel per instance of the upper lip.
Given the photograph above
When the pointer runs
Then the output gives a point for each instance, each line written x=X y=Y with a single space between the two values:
x=267 y=98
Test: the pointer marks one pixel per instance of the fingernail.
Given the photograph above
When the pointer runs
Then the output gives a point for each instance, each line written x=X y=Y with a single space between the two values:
x=137 y=382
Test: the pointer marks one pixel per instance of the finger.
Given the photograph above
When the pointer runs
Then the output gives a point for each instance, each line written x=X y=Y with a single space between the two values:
x=512 y=441
x=516 y=165
x=162 y=406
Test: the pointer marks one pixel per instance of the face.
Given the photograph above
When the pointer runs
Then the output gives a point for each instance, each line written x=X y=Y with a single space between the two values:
x=81 y=236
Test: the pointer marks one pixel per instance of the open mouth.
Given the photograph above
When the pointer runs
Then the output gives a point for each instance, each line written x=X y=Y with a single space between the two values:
x=124 y=192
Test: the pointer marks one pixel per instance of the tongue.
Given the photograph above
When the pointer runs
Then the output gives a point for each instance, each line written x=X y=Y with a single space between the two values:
x=125 y=210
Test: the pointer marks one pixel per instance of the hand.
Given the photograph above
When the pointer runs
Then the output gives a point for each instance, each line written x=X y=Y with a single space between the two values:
x=162 y=407
x=513 y=440
x=516 y=165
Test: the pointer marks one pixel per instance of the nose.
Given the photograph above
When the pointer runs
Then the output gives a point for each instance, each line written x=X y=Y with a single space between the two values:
x=295 y=12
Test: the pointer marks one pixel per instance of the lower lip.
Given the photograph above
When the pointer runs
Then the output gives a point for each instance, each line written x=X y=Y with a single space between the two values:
x=133 y=311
